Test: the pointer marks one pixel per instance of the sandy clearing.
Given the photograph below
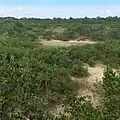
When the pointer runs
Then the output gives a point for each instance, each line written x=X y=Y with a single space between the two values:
x=96 y=74
x=86 y=86
x=65 y=43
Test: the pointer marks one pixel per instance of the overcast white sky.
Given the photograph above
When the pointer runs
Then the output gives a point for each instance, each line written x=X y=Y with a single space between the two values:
x=59 y=11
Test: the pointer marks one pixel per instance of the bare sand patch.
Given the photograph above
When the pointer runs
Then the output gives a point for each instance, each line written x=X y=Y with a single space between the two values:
x=65 y=43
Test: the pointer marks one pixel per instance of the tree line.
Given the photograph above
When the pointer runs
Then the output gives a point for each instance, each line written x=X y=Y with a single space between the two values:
x=100 y=29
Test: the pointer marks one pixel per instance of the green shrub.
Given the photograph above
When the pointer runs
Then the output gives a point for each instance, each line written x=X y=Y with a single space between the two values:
x=77 y=69
x=91 y=63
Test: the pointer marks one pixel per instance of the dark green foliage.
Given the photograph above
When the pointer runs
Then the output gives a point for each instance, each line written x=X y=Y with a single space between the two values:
x=80 y=109
x=111 y=87
x=107 y=52
x=77 y=69
x=91 y=63
x=31 y=78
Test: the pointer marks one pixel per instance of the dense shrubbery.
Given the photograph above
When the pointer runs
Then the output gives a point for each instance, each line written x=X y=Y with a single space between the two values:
x=77 y=69
x=107 y=53
x=32 y=78
x=62 y=29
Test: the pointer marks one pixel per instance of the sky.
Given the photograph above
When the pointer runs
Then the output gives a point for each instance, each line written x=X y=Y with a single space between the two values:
x=59 y=8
